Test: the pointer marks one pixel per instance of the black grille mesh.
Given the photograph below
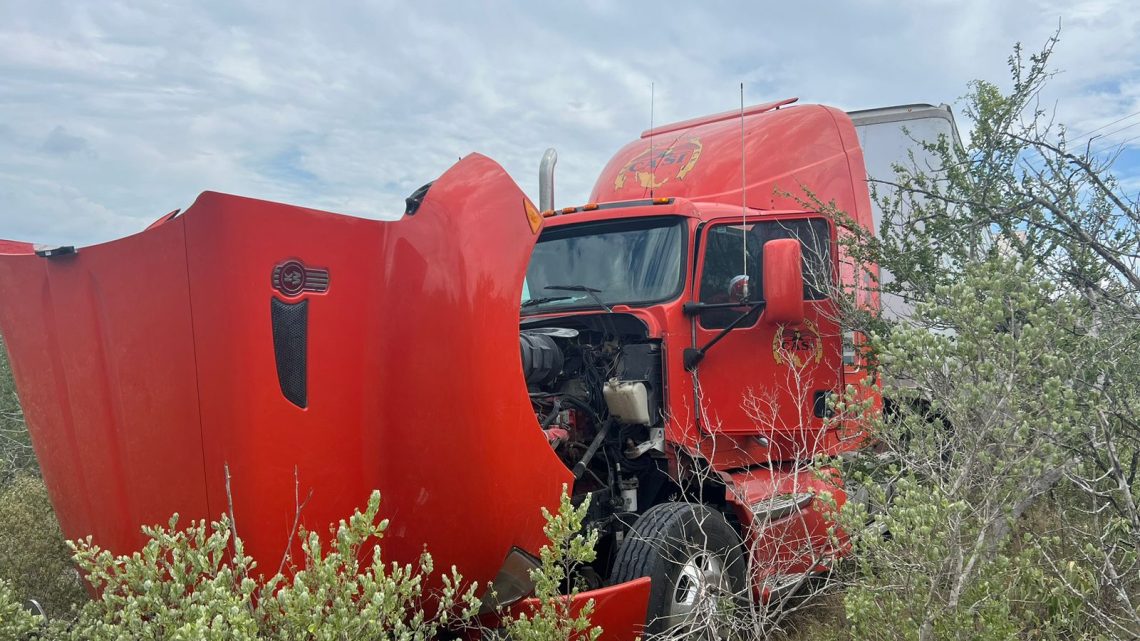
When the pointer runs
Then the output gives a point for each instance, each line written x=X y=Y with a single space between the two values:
x=290 y=348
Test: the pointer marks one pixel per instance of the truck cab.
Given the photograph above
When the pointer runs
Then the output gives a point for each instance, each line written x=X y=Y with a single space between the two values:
x=680 y=276
x=682 y=339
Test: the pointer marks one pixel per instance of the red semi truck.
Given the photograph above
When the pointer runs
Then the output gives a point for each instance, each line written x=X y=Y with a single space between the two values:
x=679 y=339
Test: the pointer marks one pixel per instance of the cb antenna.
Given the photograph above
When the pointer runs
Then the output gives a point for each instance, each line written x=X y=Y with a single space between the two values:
x=652 y=160
x=743 y=194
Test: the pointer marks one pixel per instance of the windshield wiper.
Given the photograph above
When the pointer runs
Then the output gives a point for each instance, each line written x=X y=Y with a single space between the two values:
x=544 y=299
x=589 y=291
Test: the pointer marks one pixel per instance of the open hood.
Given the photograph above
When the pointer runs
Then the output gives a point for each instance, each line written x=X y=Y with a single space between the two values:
x=287 y=343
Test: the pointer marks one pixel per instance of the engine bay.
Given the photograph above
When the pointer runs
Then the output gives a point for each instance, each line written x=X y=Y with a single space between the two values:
x=596 y=385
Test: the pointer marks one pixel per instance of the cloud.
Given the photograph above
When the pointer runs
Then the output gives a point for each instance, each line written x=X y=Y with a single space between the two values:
x=118 y=112
x=62 y=143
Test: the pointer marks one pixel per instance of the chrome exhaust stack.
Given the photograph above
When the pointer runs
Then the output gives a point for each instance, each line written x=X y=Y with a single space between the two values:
x=546 y=179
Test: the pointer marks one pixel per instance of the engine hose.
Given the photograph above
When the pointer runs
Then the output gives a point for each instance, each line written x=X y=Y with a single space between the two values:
x=580 y=466
x=553 y=414
x=585 y=407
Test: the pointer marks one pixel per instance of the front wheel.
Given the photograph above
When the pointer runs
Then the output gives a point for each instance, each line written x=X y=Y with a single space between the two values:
x=695 y=561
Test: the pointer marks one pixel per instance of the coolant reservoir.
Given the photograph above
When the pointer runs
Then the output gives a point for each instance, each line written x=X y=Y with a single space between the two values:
x=627 y=401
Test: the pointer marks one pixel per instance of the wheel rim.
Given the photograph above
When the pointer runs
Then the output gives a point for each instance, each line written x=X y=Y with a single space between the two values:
x=697 y=594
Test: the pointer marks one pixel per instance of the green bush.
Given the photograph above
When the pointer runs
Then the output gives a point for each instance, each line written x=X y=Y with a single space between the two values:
x=196 y=583
x=1006 y=476
x=977 y=438
x=552 y=618
x=16 y=454
x=34 y=559
x=15 y=621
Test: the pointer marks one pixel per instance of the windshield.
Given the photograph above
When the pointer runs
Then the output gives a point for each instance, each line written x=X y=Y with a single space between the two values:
x=613 y=262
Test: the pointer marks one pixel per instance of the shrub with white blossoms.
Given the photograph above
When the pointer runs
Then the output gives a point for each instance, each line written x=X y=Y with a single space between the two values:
x=196 y=583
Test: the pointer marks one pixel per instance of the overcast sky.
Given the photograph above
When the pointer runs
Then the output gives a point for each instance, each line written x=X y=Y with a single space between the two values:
x=114 y=112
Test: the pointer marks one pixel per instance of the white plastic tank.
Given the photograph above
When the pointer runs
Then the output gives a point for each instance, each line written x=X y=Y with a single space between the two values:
x=628 y=401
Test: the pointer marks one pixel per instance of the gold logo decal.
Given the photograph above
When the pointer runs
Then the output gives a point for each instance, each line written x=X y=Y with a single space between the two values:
x=797 y=346
x=674 y=161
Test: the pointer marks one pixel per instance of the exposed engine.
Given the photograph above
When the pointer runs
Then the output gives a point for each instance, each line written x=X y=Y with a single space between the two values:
x=596 y=389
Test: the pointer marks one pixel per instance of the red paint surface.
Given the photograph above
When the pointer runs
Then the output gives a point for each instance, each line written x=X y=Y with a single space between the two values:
x=146 y=367
x=797 y=543
x=618 y=609
x=788 y=149
x=15 y=247
x=783 y=282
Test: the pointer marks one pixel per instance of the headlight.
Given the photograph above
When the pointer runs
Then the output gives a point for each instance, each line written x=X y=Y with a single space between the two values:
x=513 y=582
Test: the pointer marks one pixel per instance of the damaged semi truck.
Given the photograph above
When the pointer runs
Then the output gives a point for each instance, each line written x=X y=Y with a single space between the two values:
x=679 y=339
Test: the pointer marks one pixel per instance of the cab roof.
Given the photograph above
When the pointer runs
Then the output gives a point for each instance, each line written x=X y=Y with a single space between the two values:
x=645 y=208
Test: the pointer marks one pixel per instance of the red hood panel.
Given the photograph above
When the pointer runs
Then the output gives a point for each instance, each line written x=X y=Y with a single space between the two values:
x=147 y=365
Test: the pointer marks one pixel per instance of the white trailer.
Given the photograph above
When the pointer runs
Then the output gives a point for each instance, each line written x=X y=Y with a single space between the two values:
x=892 y=136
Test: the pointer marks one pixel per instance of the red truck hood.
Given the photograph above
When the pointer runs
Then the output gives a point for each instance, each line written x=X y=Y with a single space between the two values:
x=288 y=343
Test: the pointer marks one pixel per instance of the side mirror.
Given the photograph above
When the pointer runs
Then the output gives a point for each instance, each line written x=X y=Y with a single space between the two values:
x=783 y=282
x=739 y=289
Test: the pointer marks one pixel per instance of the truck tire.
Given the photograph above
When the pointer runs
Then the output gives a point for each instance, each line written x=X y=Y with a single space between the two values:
x=695 y=561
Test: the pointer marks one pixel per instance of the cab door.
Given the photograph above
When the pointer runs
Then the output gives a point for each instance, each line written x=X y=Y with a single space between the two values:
x=764 y=379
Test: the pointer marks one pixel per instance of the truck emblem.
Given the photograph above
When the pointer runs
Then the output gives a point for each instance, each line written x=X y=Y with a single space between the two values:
x=291 y=278
x=797 y=346
x=676 y=160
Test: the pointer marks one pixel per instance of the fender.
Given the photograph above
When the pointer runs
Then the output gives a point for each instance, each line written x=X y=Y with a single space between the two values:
x=618 y=609
x=787 y=517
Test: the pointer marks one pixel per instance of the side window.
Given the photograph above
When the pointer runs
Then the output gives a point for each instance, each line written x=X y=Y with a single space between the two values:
x=734 y=249
x=727 y=256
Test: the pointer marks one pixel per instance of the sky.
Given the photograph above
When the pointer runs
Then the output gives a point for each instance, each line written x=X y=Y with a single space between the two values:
x=115 y=112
